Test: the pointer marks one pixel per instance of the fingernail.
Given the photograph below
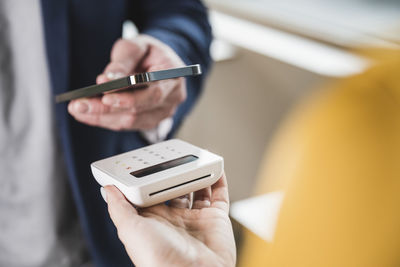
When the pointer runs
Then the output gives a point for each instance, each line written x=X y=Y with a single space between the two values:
x=103 y=193
x=112 y=101
x=110 y=75
x=114 y=75
x=81 y=107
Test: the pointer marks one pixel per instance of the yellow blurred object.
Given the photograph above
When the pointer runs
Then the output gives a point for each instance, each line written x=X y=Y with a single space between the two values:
x=337 y=158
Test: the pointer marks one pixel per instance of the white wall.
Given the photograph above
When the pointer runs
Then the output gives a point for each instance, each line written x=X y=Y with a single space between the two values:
x=242 y=105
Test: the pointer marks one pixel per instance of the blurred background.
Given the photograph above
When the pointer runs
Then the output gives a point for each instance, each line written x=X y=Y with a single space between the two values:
x=269 y=56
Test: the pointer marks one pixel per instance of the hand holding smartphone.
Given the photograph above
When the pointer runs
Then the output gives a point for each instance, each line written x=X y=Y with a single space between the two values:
x=133 y=82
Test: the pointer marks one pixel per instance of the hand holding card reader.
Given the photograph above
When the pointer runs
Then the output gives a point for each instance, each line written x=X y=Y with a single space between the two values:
x=159 y=172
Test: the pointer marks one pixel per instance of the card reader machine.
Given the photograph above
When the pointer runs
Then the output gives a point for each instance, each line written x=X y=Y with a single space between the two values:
x=159 y=172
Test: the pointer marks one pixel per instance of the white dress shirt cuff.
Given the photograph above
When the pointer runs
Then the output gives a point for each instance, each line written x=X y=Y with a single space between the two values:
x=160 y=132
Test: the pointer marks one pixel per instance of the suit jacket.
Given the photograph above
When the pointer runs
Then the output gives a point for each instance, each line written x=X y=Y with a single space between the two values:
x=79 y=36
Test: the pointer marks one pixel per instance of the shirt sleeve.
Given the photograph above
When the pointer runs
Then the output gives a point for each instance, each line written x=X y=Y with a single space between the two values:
x=159 y=133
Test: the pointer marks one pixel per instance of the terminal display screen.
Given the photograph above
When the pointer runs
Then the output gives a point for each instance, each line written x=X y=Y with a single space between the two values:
x=163 y=166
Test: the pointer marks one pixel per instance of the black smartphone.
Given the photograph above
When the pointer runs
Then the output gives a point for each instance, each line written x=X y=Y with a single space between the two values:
x=136 y=81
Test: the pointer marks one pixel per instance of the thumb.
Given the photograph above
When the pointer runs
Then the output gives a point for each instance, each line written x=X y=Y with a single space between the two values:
x=122 y=213
x=129 y=53
x=126 y=56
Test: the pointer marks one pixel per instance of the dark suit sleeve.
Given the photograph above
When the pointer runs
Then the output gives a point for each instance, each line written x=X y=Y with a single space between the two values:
x=184 y=26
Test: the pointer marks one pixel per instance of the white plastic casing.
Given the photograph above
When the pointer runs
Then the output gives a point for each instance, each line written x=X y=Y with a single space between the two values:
x=163 y=185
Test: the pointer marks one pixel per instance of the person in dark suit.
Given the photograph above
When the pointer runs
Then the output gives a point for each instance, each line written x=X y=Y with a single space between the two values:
x=174 y=33
x=81 y=44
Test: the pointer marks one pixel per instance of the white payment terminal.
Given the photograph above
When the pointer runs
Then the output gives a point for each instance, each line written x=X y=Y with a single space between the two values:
x=159 y=172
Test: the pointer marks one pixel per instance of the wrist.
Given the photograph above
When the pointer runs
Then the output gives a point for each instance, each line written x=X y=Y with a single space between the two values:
x=160 y=132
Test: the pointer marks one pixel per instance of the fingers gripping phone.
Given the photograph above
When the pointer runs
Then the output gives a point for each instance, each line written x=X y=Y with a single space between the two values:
x=133 y=82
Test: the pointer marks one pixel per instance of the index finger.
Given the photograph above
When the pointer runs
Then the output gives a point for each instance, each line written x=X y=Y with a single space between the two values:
x=92 y=105
x=143 y=99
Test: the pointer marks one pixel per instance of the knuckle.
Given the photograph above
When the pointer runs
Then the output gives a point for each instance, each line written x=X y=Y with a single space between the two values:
x=70 y=108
